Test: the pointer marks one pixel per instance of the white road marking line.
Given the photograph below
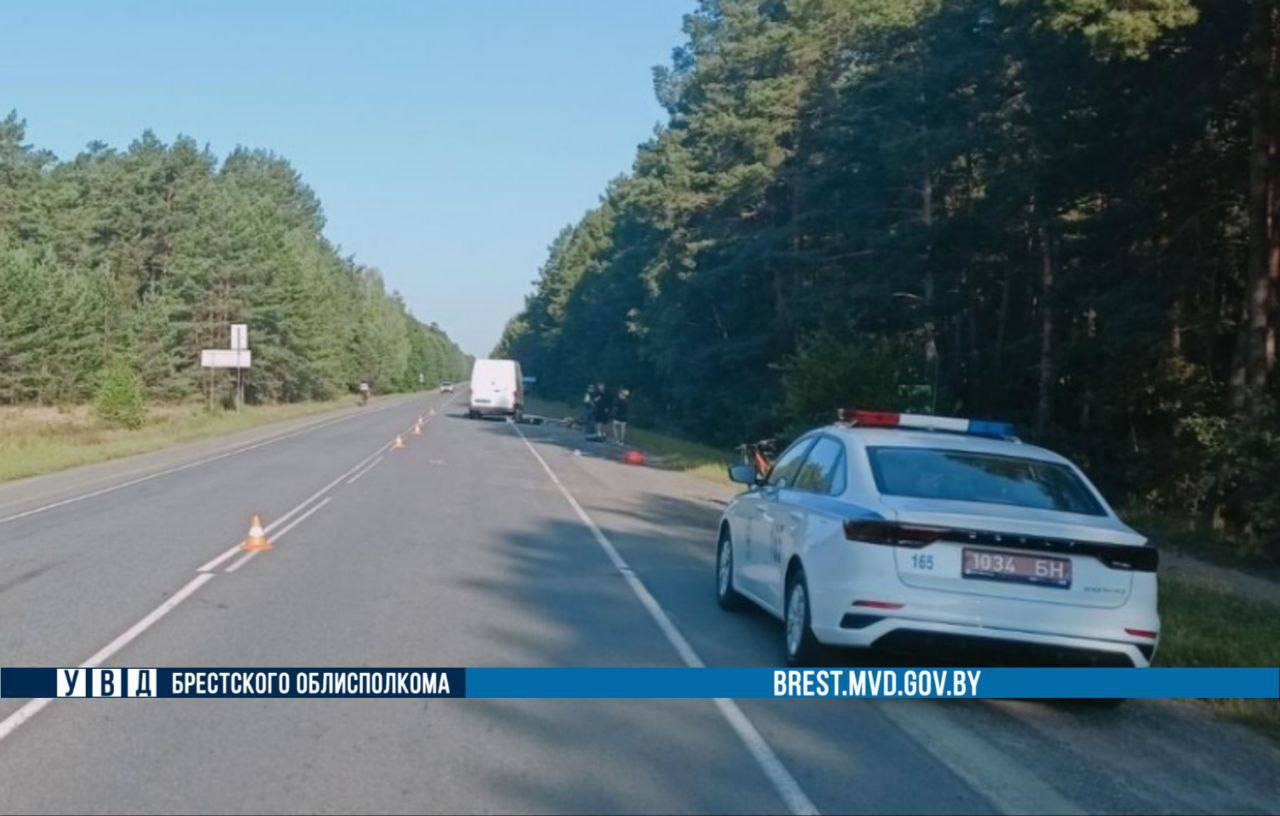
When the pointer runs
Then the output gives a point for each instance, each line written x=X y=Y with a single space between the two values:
x=189 y=465
x=783 y=782
x=33 y=707
x=213 y=564
x=238 y=564
x=1005 y=783
x=365 y=470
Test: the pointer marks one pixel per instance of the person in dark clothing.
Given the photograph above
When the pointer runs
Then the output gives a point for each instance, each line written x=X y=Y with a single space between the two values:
x=601 y=409
x=620 y=415
x=588 y=407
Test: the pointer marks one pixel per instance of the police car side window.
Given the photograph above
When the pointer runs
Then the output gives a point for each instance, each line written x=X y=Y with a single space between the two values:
x=822 y=468
x=783 y=473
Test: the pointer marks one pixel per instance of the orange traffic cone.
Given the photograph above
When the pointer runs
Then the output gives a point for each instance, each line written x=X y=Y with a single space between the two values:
x=399 y=443
x=257 y=538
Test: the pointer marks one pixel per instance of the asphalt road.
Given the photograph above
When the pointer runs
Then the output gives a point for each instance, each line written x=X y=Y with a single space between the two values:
x=483 y=544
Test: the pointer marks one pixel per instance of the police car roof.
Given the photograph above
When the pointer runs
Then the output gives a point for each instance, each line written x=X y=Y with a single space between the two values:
x=909 y=438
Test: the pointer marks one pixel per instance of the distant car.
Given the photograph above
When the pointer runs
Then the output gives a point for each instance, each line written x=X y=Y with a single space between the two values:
x=937 y=535
x=497 y=389
x=446 y=387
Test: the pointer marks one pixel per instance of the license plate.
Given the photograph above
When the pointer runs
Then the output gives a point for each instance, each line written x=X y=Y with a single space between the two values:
x=990 y=565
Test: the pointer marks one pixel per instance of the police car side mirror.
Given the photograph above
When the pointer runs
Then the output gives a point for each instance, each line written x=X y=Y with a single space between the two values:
x=744 y=474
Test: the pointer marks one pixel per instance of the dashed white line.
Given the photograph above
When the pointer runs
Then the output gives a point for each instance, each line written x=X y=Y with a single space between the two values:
x=364 y=470
x=783 y=782
x=282 y=533
x=213 y=564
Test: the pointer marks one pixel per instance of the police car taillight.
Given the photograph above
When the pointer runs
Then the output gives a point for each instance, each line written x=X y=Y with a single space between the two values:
x=893 y=533
x=926 y=422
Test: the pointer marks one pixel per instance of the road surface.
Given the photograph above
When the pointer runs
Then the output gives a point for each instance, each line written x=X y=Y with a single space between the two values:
x=486 y=544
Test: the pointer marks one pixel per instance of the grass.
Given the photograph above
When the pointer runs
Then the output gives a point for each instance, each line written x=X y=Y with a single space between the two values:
x=664 y=450
x=1207 y=627
x=1198 y=540
x=37 y=440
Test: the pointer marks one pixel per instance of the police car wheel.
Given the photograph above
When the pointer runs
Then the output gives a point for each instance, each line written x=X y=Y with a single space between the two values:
x=726 y=595
x=802 y=647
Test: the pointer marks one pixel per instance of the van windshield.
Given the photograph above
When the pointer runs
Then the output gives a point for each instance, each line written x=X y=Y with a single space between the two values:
x=951 y=475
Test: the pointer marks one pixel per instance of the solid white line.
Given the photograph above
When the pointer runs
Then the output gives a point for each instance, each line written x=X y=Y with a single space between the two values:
x=33 y=707
x=238 y=564
x=213 y=564
x=330 y=486
x=147 y=622
x=785 y=784
x=365 y=470
x=178 y=469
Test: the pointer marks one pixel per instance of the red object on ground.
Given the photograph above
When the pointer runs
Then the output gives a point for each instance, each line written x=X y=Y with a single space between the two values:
x=633 y=457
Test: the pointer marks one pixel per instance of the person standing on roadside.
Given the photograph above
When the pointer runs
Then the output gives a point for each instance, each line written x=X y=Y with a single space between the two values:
x=588 y=407
x=620 y=415
x=601 y=410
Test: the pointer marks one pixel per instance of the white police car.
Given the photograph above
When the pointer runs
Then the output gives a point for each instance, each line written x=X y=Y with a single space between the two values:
x=940 y=536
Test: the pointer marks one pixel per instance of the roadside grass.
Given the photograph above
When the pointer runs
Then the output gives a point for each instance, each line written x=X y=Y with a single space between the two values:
x=38 y=440
x=664 y=450
x=1202 y=626
x=1198 y=540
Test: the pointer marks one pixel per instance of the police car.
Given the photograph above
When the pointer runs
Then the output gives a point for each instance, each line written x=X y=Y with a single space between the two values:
x=937 y=536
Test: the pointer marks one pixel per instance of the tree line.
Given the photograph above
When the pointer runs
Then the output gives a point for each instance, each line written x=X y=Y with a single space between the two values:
x=1064 y=213
x=143 y=257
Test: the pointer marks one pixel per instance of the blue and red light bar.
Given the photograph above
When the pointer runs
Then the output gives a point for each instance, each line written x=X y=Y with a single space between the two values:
x=926 y=422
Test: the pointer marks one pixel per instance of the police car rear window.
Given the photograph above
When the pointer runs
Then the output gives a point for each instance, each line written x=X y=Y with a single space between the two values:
x=951 y=475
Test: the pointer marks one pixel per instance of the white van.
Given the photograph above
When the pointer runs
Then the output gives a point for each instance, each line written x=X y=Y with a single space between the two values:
x=497 y=389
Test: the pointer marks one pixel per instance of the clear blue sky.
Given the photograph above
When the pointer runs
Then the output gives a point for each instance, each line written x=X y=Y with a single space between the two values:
x=448 y=141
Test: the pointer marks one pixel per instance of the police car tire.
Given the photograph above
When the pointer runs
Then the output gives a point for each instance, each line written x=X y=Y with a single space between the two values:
x=809 y=650
x=729 y=599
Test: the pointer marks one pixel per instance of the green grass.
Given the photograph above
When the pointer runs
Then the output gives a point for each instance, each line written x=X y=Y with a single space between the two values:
x=1186 y=536
x=35 y=440
x=664 y=450
x=1200 y=626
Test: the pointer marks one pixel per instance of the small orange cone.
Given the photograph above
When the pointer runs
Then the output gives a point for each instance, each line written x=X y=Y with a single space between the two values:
x=257 y=538
x=399 y=443
x=633 y=457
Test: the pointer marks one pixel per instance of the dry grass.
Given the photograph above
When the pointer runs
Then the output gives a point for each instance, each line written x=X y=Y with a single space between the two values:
x=36 y=440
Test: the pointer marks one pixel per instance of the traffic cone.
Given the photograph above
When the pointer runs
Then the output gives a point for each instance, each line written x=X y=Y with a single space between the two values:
x=417 y=429
x=399 y=443
x=256 y=541
x=633 y=457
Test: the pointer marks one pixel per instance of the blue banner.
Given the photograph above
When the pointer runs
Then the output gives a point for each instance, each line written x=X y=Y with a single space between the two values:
x=639 y=683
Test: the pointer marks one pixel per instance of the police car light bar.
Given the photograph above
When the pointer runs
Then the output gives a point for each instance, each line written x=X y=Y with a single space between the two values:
x=925 y=422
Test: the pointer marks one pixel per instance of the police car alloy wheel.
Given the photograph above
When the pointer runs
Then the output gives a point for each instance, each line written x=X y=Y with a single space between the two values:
x=802 y=648
x=727 y=596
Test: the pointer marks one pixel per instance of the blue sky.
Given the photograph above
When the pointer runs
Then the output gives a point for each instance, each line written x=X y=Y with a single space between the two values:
x=448 y=141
